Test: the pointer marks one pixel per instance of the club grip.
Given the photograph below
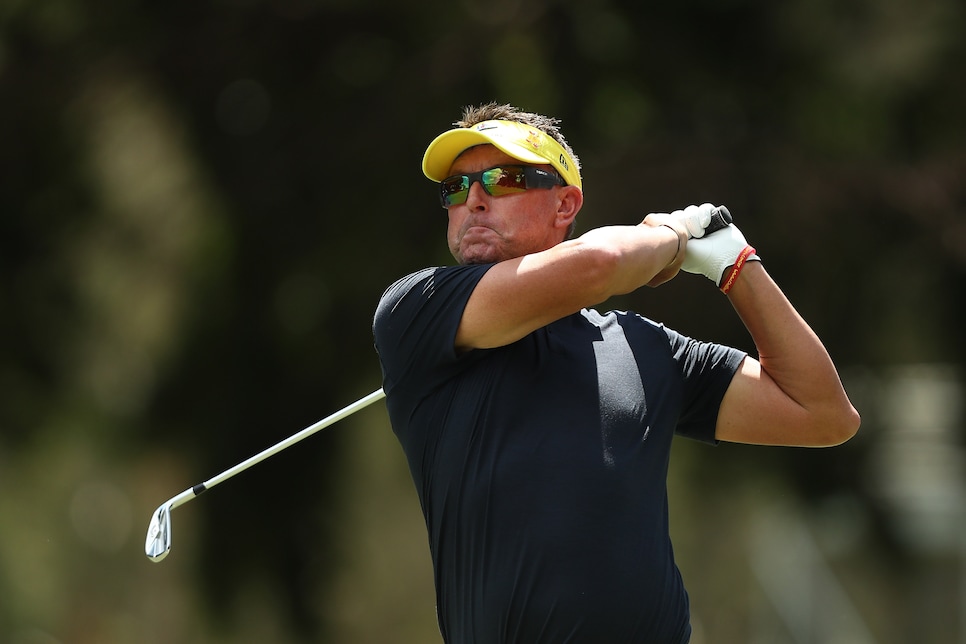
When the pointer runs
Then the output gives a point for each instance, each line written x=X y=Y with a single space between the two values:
x=720 y=218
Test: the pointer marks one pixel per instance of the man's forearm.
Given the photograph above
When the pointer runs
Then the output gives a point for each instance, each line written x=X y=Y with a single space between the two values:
x=520 y=295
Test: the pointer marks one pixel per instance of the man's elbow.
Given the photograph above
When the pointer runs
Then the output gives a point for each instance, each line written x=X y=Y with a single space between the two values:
x=839 y=427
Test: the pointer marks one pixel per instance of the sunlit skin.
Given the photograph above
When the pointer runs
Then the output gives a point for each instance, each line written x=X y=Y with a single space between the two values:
x=792 y=392
x=489 y=229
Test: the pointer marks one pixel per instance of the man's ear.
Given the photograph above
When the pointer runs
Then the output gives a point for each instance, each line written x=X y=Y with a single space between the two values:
x=568 y=205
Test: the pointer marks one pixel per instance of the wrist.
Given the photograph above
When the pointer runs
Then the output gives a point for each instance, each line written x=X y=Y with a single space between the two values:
x=747 y=254
x=681 y=240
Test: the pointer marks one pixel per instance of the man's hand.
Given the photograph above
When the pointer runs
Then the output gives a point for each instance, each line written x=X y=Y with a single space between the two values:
x=695 y=219
x=712 y=255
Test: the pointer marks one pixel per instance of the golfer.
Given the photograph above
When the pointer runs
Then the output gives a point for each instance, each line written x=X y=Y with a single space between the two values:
x=537 y=429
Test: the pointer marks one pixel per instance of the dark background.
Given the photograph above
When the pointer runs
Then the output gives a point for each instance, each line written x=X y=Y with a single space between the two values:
x=201 y=203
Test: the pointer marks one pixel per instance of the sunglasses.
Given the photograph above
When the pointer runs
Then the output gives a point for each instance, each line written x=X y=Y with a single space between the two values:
x=498 y=181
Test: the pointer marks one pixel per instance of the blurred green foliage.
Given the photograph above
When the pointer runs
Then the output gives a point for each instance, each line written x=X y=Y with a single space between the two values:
x=200 y=204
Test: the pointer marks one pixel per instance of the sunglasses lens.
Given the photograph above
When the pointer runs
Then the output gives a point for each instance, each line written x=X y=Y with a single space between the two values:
x=504 y=181
x=497 y=182
x=454 y=190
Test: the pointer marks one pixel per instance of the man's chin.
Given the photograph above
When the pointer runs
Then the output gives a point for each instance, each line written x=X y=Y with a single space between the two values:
x=479 y=255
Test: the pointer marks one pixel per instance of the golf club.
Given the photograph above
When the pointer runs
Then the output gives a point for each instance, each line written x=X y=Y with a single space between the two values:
x=158 y=542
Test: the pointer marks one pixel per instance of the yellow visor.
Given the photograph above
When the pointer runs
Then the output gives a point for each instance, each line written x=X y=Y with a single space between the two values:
x=522 y=142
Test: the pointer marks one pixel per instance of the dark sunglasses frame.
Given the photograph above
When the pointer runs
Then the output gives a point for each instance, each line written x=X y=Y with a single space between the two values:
x=454 y=190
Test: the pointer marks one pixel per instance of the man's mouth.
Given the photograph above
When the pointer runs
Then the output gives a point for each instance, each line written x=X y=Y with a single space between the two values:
x=476 y=230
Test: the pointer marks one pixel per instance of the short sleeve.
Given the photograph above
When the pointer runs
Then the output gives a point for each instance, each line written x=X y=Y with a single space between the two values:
x=707 y=370
x=416 y=320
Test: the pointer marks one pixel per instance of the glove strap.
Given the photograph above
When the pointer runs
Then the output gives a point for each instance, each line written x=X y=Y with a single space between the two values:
x=743 y=256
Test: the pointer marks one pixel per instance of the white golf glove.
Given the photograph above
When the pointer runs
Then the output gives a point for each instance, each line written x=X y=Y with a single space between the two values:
x=712 y=255
x=695 y=218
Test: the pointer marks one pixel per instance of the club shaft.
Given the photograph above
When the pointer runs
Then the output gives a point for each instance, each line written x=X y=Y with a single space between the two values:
x=192 y=492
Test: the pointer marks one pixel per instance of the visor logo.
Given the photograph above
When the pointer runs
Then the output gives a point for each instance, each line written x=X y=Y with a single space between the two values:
x=534 y=140
x=563 y=162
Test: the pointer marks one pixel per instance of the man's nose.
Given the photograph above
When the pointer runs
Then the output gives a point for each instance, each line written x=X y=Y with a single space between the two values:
x=477 y=198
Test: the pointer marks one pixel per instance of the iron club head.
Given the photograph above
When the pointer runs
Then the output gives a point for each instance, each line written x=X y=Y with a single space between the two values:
x=158 y=542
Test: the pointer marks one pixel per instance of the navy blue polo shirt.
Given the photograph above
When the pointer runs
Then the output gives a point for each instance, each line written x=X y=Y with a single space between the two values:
x=541 y=466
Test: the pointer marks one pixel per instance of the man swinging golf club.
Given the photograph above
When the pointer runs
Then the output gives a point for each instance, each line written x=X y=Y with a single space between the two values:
x=538 y=430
